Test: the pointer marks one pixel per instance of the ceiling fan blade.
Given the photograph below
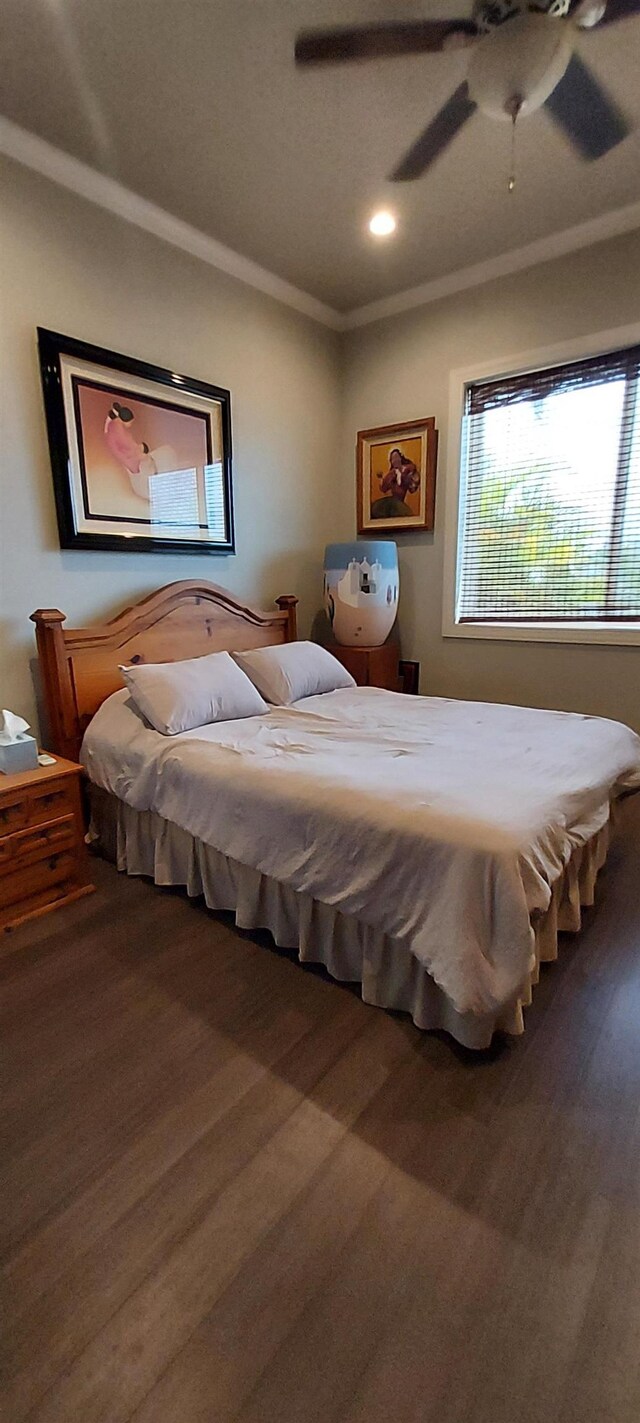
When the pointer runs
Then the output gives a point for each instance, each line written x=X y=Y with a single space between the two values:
x=378 y=41
x=583 y=110
x=437 y=135
x=619 y=10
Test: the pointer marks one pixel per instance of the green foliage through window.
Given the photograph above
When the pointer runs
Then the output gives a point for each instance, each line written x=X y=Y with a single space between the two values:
x=550 y=508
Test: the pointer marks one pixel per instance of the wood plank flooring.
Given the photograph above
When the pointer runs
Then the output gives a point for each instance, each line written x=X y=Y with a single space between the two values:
x=231 y=1191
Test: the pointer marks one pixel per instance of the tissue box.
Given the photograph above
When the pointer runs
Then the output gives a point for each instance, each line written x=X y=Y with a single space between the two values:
x=19 y=755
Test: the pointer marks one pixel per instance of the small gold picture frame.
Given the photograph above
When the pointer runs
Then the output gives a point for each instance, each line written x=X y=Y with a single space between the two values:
x=396 y=477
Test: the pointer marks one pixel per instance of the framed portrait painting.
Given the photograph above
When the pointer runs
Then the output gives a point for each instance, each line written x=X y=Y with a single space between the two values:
x=141 y=457
x=396 y=477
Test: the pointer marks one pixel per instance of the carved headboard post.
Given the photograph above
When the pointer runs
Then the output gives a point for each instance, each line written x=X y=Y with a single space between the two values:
x=57 y=681
x=288 y=604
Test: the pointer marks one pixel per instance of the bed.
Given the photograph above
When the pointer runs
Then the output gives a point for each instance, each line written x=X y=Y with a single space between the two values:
x=428 y=849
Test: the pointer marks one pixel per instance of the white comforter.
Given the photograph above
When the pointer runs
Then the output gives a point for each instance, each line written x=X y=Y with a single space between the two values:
x=444 y=823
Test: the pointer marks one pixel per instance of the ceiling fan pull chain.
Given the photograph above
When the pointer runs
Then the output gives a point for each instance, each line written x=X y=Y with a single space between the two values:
x=512 y=174
x=513 y=108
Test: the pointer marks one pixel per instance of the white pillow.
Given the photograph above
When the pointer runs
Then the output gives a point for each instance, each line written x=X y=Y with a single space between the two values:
x=178 y=696
x=295 y=670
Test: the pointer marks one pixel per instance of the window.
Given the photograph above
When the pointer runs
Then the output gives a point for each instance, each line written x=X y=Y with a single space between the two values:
x=549 y=513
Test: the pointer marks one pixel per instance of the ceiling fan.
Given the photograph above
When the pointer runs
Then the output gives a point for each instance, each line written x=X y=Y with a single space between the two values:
x=522 y=56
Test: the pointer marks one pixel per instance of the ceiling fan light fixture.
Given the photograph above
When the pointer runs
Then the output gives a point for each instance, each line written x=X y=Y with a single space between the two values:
x=527 y=58
x=588 y=13
x=382 y=223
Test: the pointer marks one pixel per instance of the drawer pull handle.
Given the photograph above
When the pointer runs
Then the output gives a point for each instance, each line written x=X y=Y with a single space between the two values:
x=53 y=862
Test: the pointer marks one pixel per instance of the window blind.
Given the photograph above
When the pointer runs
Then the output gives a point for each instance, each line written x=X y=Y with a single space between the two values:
x=173 y=496
x=190 y=499
x=550 y=494
x=215 y=500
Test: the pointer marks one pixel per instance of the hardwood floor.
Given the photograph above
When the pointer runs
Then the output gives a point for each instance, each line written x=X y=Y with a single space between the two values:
x=234 y=1192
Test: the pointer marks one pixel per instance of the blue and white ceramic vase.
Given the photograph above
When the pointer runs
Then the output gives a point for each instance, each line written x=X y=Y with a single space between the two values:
x=361 y=585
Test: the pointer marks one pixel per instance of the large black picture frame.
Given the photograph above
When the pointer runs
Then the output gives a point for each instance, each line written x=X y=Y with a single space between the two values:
x=193 y=404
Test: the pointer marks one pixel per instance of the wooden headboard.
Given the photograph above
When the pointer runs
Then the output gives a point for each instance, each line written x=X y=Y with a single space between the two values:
x=80 y=666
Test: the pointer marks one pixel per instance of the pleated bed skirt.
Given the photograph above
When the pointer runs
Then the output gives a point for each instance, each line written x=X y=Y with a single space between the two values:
x=142 y=843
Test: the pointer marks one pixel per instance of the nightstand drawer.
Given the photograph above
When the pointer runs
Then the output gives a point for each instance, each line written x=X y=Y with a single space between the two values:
x=43 y=857
x=35 y=805
x=13 y=813
x=28 y=846
x=34 y=879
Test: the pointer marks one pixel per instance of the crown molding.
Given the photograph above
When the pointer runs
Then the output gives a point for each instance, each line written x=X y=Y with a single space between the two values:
x=51 y=162
x=543 y=249
x=60 y=167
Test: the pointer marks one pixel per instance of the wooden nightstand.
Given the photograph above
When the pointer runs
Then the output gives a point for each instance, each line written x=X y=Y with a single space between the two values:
x=372 y=666
x=43 y=858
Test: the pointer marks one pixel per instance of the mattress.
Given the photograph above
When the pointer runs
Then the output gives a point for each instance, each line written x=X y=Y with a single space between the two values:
x=446 y=826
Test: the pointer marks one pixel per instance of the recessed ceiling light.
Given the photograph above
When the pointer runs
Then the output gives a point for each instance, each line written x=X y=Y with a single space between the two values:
x=382 y=224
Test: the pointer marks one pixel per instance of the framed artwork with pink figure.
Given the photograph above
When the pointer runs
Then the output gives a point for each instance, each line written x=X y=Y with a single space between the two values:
x=141 y=456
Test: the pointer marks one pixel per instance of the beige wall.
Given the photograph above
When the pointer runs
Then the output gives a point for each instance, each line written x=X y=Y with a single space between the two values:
x=399 y=369
x=71 y=267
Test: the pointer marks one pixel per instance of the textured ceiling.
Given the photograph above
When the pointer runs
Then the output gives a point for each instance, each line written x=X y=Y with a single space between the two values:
x=196 y=105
